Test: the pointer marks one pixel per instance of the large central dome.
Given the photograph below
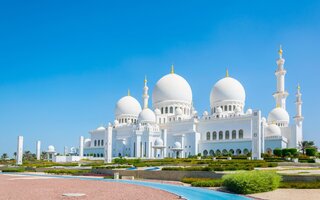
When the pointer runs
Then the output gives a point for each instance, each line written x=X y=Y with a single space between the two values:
x=227 y=90
x=172 y=87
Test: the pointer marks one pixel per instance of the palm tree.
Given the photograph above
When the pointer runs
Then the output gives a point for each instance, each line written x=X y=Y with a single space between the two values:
x=4 y=156
x=306 y=144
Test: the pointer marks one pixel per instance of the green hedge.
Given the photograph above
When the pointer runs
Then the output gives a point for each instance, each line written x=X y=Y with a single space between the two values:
x=289 y=151
x=13 y=170
x=186 y=169
x=251 y=182
x=277 y=152
x=68 y=171
x=300 y=185
x=208 y=183
x=311 y=151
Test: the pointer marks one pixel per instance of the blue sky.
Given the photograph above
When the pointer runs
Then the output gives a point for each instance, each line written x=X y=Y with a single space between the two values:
x=64 y=64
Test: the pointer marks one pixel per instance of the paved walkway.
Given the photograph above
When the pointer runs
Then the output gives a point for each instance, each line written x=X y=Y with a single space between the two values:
x=17 y=187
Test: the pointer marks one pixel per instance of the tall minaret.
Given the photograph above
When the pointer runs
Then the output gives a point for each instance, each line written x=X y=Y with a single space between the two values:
x=280 y=95
x=298 y=118
x=145 y=95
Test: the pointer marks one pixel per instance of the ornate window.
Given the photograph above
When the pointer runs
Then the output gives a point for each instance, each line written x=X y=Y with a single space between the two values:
x=240 y=134
x=234 y=134
x=227 y=137
x=214 y=135
x=171 y=109
x=220 y=135
x=205 y=153
x=166 y=109
x=208 y=135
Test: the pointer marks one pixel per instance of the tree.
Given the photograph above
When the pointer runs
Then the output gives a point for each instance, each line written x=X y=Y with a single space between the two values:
x=306 y=144
x=4 y=156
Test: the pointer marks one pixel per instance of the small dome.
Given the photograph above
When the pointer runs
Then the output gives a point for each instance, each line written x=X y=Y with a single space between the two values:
x=116 y=122
x=272 y=130
x=101 y=128
x=178 y=111
x=249 y=111
x=51 y=148
x=147 y=116
x=226 y=90
x=172 y=87
x=278 y=115
x=158 y=142
x=127 y=106
x=205 y=113
x=177 y=145
x=157 y=111
x=87 y=142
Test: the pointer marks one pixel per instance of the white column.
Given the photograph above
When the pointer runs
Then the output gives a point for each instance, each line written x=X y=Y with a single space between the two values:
x=19 y=150
x=138 y=146
x=182 y=146
x=165 y=133
x=81 y=146
x=38 y=149
x=108 y=145
x=256 y=135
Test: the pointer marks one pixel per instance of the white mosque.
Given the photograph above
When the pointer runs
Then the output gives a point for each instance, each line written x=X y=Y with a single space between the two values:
x=173 y=128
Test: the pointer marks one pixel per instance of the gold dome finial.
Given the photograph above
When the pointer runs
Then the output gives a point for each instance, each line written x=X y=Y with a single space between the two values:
x=298 y=87
x=128 y=92
x=280 y=51
x=227 y=72
x=145 y=79
x=277 y=106
x=172 y=69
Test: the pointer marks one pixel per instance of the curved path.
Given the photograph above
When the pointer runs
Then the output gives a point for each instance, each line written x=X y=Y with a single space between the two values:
x=191 y=193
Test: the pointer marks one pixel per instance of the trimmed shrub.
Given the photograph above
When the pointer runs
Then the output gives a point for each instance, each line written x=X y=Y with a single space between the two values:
x=277 y=152
x=68 y=171
x=311 y=151
x=289 y=151
x=13 y=170
x=191 y=180
x=208 y=183
x=251 y=182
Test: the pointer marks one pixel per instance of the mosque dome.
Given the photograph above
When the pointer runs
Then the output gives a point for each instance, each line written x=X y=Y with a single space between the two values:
x=249 y=111
x=205 y=113
x=127 y=106
x=272 y=130
x=227 y=90
x=101 y=128
x=51 y=148
x=147 y=116
x=87 y=142
x=177 y=145
x=172 y=87
x=158 y=142
x=278 y=115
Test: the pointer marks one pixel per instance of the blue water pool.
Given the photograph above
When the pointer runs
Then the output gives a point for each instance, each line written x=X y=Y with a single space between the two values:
x=191 y=193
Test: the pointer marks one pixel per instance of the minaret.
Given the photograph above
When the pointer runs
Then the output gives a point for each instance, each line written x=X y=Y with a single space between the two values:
x=280 y=95
x=298 y=118
x=145 y=95
x=38 y=149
